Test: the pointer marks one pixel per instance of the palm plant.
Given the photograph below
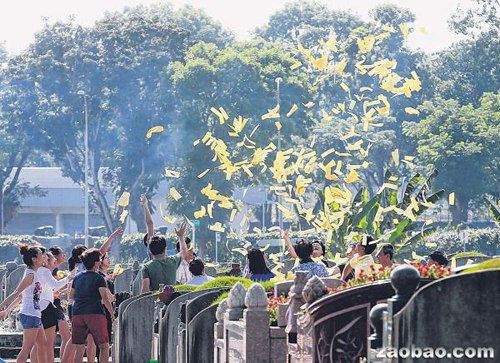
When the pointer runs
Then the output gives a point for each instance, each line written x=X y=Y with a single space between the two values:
x=390 y=214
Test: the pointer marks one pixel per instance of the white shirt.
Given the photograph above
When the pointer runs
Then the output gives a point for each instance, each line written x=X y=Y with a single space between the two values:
x=31 y=296
x=183 y=274
x=361 y=263
x=49 y=285
x=199 y=280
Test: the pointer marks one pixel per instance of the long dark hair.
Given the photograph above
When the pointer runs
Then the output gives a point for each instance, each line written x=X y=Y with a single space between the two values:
x=257 y=263
x=76 y=256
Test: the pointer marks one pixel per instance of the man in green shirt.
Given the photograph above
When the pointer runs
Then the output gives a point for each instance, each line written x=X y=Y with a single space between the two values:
x=162 y=269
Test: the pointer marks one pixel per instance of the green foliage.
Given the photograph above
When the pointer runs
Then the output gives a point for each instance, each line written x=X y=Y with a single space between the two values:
x=226 y=281
x=494 y=210
x=241 y=78
x=187 y=288
x=493 y=264
x=412 y=196
x=463 y=143
x=468 y=254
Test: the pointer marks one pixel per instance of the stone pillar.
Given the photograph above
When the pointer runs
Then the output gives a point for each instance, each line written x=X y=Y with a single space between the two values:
x=375 y=340
x=219 y=356
x=296 y=301
x=59 y=224
x=235 y=302
x=256 y=340
x=404 y=280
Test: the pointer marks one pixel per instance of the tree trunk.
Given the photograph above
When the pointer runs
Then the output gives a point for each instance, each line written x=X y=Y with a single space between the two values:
x=459 y=211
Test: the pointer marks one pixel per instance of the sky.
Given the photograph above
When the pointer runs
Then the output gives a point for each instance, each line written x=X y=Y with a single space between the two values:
x=21 y=19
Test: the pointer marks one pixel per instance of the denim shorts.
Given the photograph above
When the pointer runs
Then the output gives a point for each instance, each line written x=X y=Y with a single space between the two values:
x=30 y=322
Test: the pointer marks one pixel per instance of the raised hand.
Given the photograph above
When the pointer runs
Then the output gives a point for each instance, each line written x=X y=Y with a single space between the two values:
x=182 y=229
x=285 y=233
x=118 y=231
x=3 y=314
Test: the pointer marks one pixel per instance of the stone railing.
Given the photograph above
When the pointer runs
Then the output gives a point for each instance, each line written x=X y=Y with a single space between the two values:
x=459 y=311
x=242 y=332
x=335 y=327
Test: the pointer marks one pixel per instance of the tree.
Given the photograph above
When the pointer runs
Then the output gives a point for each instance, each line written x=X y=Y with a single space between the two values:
x=117 y=63
x=308 y=22
x=240 y=78
x=463 y=144
x=17 y=132
x=469 y=68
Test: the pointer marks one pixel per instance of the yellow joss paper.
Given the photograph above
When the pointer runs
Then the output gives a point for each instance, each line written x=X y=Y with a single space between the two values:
x=124 y=200
x=216 y=227
x=123 y=216
x=171 y=173
x=200 y=213
x=169 y=220
x=395 y=157
x=273 y=113
x=278 y=125
x=202 y=174
x=308 y=104
x=431 y=244
x=295 y=65
x=233 y=214
x=404 y=29
x=423 y=30
x=175 y=194
x=221 y=114
x=344 y=87
x=352 y=177
x=451 y=199
x=292 y=110
x=153 y=130
x=412 y=111
x=117 y=270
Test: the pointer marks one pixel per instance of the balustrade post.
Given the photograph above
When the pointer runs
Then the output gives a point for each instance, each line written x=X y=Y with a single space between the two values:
x=296 y=301
x=256 y=339
x=404 y=280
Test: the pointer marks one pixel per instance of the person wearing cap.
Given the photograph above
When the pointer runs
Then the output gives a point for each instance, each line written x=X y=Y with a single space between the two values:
x=363 y=258
x=437 y=258
x=385 y=255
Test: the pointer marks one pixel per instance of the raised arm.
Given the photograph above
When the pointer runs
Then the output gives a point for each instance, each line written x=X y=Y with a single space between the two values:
x=289 y=245
x=180 y=235
x=20 y=288
x=107 y=245
x=11 y=307
x=147 y=216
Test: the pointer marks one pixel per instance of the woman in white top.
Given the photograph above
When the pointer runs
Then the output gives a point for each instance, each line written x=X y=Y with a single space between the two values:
x=49 y=311
x=30 y=315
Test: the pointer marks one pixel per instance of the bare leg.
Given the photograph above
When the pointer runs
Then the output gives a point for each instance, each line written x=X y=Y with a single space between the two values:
x=80 y=349
x=104 y=353
x=34 y=355
x=69 y=352
x=29 y=339
x=91 y=349
x=65 y=335
x=50 y=335
x=43 y=348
